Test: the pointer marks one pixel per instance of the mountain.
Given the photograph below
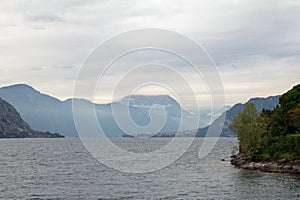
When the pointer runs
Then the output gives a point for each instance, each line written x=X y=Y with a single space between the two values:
x=44 y=112
x=172 y=107
x=158 y=105
x=13 y=126
x=142 y=101
x=268 y=103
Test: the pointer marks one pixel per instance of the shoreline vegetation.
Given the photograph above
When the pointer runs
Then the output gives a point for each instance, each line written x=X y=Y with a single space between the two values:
x=269 y=141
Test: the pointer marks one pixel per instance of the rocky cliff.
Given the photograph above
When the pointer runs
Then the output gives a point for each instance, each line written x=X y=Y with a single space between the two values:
x=13 y=126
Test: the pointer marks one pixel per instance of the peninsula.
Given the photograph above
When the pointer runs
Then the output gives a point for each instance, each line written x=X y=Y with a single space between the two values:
x=270 y=140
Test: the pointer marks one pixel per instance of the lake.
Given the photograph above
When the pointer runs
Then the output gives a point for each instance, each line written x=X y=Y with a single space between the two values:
x=64 y=169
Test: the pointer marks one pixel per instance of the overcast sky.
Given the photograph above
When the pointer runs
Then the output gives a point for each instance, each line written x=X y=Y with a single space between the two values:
x=255 y=44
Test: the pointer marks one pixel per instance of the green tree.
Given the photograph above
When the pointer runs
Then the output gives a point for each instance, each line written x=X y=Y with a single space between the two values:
x=281 y=121
x=294 y=118
x=251 y=128
x=270 y=134
x=290 y=99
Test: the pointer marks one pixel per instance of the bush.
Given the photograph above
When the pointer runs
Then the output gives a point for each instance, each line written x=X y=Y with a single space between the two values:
x=283 y=147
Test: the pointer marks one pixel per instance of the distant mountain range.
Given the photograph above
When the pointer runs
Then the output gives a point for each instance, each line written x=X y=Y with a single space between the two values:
x=268 y=103
x=46 y=113
x=13 y=126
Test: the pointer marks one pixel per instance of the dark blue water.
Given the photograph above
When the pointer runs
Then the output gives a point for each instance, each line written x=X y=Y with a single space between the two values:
x=63 y=169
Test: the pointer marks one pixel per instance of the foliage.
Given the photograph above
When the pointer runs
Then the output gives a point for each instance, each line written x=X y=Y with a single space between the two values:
x=270 y=134
x=294 y=118
x=281 y=120
x=283 y=147
x=251 y=129
x=290 y=99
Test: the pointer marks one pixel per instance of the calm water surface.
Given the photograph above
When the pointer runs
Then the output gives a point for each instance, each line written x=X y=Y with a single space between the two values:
x=63 y=169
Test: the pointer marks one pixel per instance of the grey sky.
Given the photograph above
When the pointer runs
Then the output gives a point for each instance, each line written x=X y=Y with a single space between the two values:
x=255 y=44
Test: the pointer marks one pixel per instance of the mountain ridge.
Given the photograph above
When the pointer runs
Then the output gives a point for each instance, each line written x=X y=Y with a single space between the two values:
x=13 y=126
x=260 y=103
x=44 y=112
x=268 y=103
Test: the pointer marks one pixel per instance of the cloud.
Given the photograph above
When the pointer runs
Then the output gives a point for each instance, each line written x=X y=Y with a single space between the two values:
x=44 y=43
x=42 y=17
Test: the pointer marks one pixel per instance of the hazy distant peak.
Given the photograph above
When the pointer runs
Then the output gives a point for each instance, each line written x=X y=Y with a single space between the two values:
x=24 y=92
x=149 y=100
x=264 y=98
x=265 y=103
x=21 y=86
x=218 y=112
x=78 y=100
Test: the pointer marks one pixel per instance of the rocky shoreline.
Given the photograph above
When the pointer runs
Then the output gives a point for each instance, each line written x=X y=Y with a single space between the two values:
x=271 y=165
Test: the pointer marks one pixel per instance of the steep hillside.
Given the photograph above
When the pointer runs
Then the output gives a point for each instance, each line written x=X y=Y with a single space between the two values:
x=260 y=103
x=13 y=126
